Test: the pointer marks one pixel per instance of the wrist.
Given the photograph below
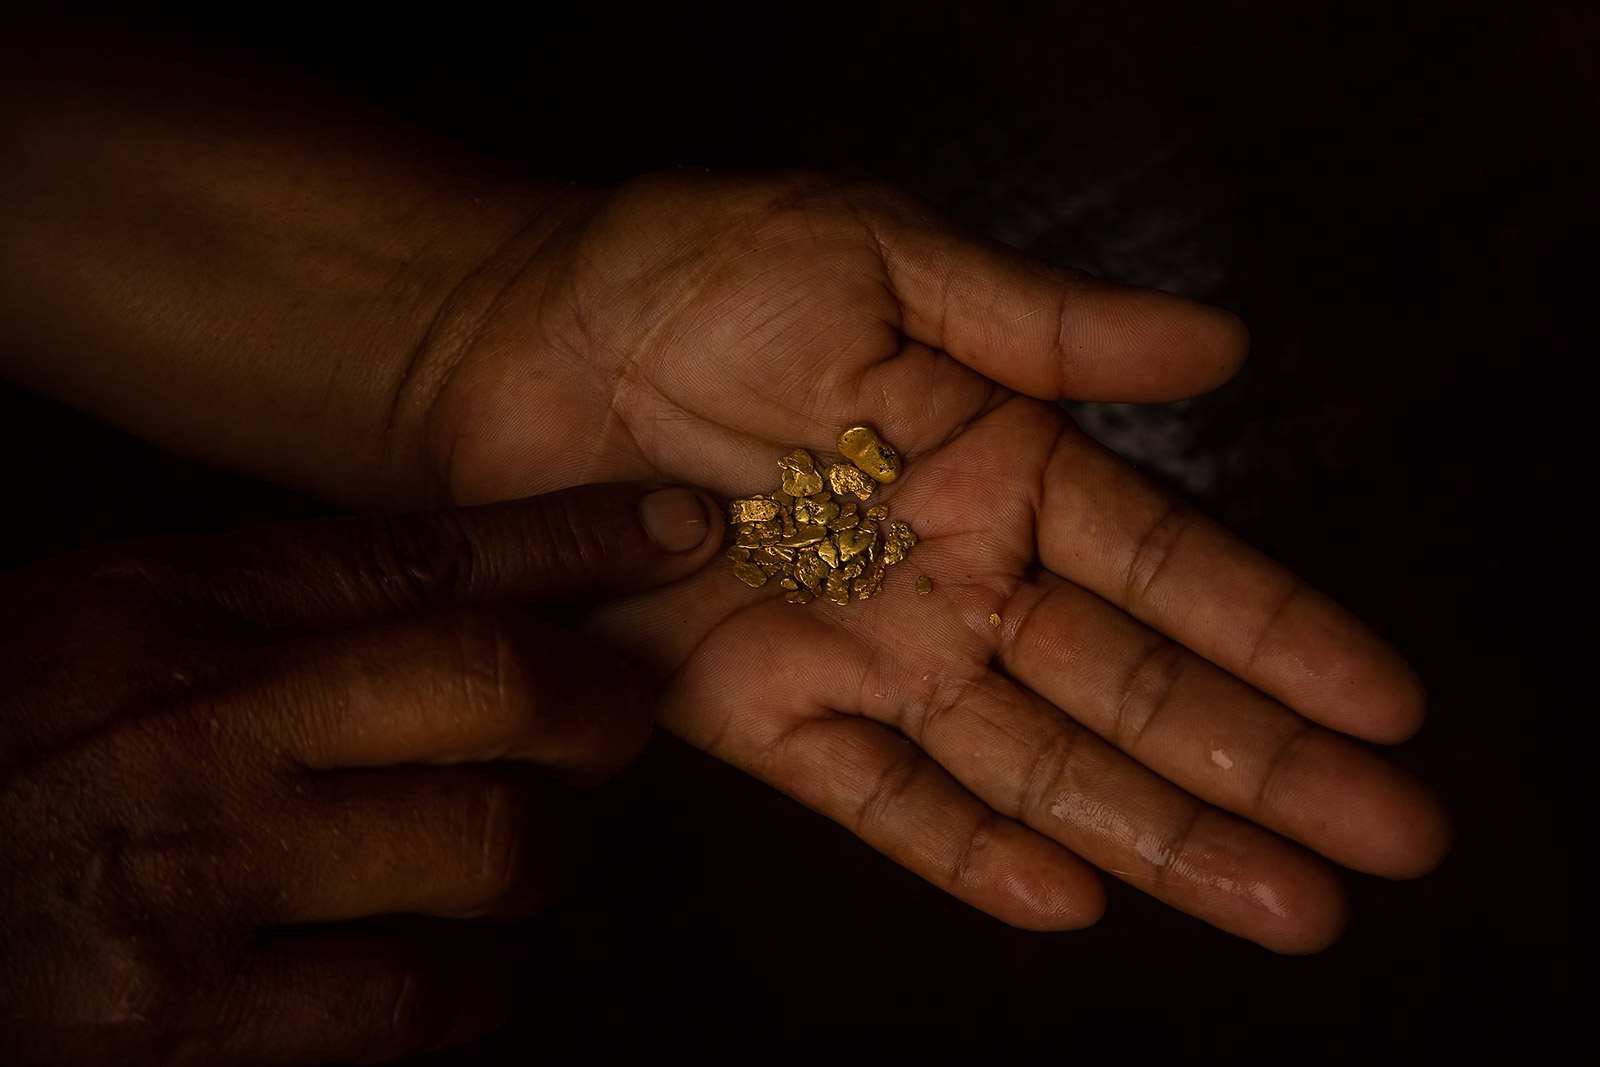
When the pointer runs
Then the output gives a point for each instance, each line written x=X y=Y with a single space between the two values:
x=505 y=395
x=487 y=253
x=239 y=264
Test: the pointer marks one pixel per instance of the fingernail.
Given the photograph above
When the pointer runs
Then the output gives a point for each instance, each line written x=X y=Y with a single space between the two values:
x=675 y=519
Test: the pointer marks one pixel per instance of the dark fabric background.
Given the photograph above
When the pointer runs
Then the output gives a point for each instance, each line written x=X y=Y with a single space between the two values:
x=1398 y=198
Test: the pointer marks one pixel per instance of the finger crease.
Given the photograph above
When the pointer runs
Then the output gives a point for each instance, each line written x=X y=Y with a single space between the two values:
x=1167 y=859
x=1047 y=767
x=1274 y=767
x=1145 y=692
x=1296 y=588
x=891 y=784
x=1154 y=551
x=1064 y=360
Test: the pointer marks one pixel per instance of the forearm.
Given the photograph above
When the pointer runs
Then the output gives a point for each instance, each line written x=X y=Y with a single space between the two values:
x=237 y=264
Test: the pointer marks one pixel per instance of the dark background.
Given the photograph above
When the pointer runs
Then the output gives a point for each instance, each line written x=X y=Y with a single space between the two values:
x=1400 y=201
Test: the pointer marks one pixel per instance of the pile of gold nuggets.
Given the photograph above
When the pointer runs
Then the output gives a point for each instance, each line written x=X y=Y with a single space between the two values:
x=814 y=540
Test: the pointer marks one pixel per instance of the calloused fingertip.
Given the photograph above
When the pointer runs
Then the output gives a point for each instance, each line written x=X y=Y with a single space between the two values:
x=1401 y=707
x=1418 y=835
x=1149 y=345
x=487 y=1002
x=1234 y=347
x=1049 y=898
x=622 y=735
x=1217 y=343
x=1308 y=917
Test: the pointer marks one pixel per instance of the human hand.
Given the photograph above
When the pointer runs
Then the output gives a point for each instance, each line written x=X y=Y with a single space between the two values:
x=214 y=747
x=1160 y=701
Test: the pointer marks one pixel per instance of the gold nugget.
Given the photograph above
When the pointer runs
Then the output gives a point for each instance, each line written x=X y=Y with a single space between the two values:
x=847 y=478
x=800 y=477
x=994 y=620
x=924 y=585
x=866 y=450
x=814 y=545
x=750 y=574
x=753 y=510
x=898 y=543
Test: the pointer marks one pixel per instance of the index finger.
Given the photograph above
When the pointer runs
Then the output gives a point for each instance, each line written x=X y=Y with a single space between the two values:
x=587 y=542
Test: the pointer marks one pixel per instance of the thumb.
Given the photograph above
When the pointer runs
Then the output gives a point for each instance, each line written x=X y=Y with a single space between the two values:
x=1046 y=331
x=584 y=543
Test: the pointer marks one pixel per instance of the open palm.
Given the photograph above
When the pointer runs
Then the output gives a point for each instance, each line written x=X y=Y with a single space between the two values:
x=1158 y=701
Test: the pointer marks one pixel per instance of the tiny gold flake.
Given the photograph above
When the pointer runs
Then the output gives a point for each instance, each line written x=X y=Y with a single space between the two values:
x=994 y=620
x=812 y=539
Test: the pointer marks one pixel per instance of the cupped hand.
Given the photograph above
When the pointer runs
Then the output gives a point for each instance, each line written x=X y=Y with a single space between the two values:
x=219 y=750
x=1158 y=701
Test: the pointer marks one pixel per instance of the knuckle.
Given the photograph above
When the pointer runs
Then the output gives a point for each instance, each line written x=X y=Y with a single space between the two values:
x=490 y=664
x=413 y=1010
x=125 y=988
x=965 y=869
x=417 y=560
x=565 y=533
x=499 y=827
x=569 y=705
